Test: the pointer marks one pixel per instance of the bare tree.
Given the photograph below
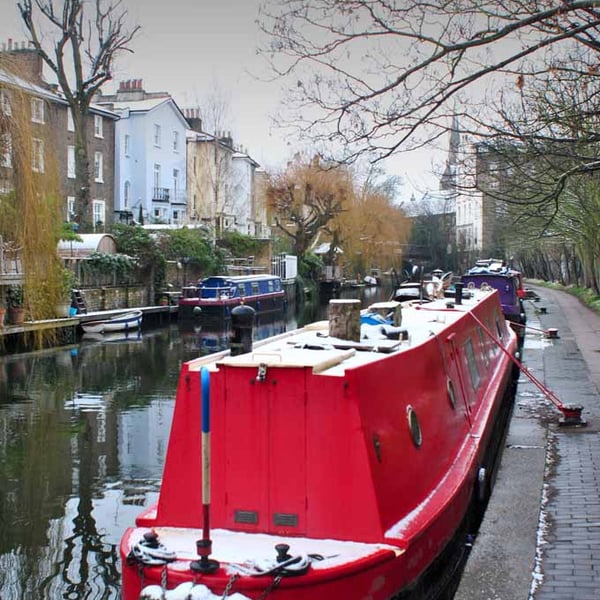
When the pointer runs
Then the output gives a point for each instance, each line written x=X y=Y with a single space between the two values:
x=79 y=40
x=381 y=76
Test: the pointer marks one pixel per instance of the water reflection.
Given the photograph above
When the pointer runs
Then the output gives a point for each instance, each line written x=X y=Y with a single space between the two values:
x=83 y=436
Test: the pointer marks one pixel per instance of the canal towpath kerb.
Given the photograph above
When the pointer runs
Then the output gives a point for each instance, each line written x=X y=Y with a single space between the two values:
x=540 y=537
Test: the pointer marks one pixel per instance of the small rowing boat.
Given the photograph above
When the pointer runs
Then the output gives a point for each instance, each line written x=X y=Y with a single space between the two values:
x=125 y=321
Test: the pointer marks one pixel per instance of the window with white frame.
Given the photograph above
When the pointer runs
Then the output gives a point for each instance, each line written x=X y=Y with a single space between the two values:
x=70 y=121
x=156 y=177
x=126 y=194
x=70 y=207
x=5 y=103
x=71 y=162
x=176 y=141
x=5 y=151
x=98 y=126
x=99 y=212
x=37 y=155
x=37 y=110
x=98 y=167
x=175 y=184
x=126 y=144
x=157 y=135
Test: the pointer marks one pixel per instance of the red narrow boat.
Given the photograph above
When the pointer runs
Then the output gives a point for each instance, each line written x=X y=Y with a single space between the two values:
x=340 y=469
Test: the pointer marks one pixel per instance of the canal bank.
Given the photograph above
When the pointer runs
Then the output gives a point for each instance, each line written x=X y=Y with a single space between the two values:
x=23 y=337
x=541 y=531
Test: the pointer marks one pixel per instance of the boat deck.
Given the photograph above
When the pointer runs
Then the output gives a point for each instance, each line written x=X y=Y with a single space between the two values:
x=313 y=347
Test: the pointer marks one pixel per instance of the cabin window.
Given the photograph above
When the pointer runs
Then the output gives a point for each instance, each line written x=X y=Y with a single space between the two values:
x=271 y=285
x=499 y=328
x=451 y=394
x=255 y=287
x=414 y=426
x=277 y=285
x=484 y=346
x=472 y=364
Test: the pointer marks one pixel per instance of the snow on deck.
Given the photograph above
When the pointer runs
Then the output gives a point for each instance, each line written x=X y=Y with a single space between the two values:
x=312 y=346
x=258 y=549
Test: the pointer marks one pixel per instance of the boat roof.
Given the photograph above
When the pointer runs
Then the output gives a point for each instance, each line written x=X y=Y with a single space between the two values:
x=242 y=278
x=313 y=347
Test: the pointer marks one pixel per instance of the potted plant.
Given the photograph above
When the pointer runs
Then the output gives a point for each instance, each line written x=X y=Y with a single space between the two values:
x=2 y=311
x=14 y=299
x=63 y=308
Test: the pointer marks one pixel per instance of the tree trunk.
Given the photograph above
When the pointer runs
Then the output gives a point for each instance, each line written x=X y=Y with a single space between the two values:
x=83 y=208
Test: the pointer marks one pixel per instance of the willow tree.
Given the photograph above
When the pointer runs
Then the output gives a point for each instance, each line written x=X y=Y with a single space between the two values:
x=304 y=200
x=30 y=221
x=79 y=41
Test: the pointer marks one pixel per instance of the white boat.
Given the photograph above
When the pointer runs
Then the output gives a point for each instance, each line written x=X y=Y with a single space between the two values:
x=119 y=322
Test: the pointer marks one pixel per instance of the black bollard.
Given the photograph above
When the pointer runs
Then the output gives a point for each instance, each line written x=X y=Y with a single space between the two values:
x=458 y=286
x=242 y=328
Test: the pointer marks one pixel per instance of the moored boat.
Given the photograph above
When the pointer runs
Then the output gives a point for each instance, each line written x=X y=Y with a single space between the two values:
x=216 y=296
x=125 y=321
x=333 y=462
x=492 y=273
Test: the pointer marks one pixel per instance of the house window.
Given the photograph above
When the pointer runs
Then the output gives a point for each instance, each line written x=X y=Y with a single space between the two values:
x=99 y=211
x=98 y=167
x=175 y=141
x=37 y=110
x=98 y=126
x=175 y=184
x=70 y=207
x=70 y=122
x=126 y=194
x=37 y=155
x=157 y=135
x=126 y=144
x=5 y=103
x=156 y=176
x=5 y=151
x=71 y=162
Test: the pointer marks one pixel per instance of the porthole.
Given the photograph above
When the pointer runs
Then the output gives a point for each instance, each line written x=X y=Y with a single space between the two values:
x=451 y=394
x=471 y=285
x=414 y=426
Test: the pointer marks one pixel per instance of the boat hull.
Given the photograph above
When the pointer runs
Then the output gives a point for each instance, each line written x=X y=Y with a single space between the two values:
x=367 y=455
x=190 y=308
x=124 y=322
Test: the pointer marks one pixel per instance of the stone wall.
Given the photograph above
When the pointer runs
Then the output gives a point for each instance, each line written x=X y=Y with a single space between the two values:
x=110 y=298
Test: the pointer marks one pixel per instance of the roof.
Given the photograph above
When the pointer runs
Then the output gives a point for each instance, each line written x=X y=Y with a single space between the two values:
x=90 y=243
x=14 y=81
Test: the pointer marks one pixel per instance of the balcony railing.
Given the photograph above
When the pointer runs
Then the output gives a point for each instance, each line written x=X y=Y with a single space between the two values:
x=161 y=195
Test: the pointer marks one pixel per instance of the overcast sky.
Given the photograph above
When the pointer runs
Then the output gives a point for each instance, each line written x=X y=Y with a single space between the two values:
x=187 y=47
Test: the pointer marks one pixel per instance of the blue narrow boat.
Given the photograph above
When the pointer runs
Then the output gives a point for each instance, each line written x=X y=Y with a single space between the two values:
x=216 y=296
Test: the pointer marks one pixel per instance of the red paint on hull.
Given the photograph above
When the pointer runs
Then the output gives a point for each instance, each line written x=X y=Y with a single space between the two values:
x=311 y=452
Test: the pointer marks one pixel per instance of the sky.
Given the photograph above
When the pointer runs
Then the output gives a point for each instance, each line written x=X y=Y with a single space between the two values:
x=190 y=47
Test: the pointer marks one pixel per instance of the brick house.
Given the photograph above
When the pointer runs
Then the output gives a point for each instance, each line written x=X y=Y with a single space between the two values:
x=53 y=143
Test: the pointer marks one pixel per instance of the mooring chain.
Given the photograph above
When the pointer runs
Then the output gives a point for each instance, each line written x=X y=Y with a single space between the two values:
x=271 y=587
x=163 y=580
x=229 y=586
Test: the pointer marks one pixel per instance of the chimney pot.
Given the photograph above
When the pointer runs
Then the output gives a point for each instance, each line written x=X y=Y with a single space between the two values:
x=10 y=43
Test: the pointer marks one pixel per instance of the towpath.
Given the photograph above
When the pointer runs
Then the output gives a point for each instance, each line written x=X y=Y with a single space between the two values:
x=540 y=538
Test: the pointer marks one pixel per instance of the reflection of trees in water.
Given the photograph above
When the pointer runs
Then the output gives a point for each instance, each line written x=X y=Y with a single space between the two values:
x=56 y=450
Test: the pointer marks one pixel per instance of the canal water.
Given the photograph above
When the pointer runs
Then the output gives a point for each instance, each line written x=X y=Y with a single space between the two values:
x=83 y=436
